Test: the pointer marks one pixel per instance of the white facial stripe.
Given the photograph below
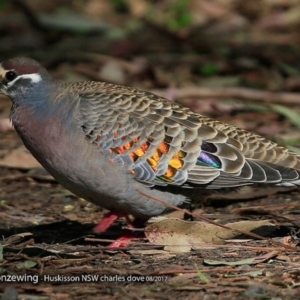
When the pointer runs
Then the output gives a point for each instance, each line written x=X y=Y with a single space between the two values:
x=34 y=78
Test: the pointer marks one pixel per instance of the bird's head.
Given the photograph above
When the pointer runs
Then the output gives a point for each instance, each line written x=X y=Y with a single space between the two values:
x=22 y=79
x=25 y=82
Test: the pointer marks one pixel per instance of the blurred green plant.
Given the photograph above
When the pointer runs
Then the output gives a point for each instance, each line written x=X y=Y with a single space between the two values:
x=120 y=5
x=291 y=114
x=3 y=3
x=181 y=15
x=174 y=15
x=201 y=276
x=208 y=69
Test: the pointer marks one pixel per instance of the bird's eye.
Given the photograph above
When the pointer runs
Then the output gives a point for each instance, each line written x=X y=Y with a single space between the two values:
x=10 y=76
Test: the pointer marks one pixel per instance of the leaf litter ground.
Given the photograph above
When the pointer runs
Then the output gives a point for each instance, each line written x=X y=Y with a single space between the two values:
x=47 y=235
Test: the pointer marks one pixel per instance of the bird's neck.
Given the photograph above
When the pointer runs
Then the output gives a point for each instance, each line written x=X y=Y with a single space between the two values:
x=41 y=135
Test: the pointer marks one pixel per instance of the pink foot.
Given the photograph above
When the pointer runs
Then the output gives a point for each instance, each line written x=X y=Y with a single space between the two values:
x=107 y=221
x=122 y=241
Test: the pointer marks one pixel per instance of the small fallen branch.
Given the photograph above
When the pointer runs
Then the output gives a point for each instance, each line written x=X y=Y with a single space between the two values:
x=232 y=92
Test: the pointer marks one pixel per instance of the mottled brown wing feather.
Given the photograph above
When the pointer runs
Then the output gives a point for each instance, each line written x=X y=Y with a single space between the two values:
x=160 y=142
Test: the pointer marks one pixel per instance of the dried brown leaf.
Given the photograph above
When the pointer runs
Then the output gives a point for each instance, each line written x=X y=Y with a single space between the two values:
x=180 y=236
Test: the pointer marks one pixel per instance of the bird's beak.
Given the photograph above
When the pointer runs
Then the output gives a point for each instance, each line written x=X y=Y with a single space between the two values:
x=2 y=74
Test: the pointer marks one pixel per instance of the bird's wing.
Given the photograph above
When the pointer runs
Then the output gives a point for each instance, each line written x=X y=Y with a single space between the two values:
x=161 y=142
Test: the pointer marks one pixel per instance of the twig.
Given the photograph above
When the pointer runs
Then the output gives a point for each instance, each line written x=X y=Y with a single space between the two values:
x=233 y=92
x=33 y=20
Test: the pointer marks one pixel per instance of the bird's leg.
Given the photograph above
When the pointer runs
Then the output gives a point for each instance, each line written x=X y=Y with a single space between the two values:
x=128 y=235
x=107 y=221
x=122 y=241
x=189 y=217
